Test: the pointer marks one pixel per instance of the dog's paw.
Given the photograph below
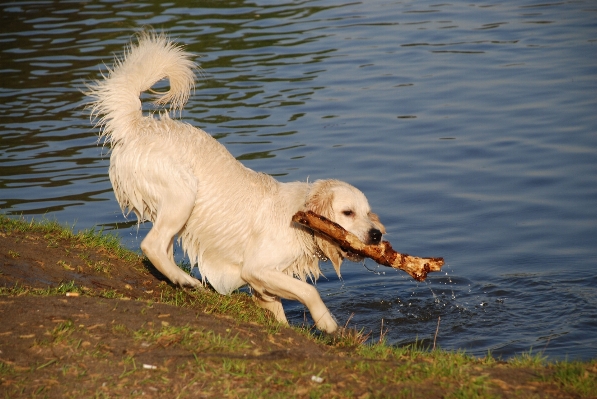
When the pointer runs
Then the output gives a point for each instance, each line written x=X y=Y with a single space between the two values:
x=198 y=286
x=189 y=282
x=327 y=323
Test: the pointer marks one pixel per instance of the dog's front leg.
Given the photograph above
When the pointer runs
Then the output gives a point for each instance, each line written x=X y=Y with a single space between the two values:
x=271 y=282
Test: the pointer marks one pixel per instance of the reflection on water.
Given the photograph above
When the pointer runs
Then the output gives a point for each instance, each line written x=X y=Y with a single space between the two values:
x=470 y=127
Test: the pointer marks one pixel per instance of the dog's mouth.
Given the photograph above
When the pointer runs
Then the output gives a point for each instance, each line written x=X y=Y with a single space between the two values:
x=351 y=256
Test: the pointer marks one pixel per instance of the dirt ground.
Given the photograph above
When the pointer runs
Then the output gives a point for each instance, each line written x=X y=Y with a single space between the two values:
x=117 y=338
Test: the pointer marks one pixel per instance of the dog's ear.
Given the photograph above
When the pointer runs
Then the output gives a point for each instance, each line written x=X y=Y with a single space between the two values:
x=331 y=251
x=375 y=220
x=320 y=198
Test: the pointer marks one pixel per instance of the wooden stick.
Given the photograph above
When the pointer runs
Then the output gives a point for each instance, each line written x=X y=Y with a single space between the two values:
x=382 y=253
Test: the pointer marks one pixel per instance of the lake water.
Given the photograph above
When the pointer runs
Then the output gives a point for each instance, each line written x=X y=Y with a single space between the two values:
x=471 y=127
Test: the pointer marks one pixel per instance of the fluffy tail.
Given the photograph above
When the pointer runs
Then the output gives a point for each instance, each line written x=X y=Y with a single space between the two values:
x=117 y=106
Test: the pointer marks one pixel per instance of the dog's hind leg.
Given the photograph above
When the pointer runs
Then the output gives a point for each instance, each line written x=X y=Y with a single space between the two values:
x=273 y=304
x=173 y=213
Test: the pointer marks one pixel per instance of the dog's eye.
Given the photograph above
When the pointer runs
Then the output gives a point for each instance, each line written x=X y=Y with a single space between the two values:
x=348 y=213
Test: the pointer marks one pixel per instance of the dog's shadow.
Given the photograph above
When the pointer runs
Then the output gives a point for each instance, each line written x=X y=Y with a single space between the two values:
x=151 y=269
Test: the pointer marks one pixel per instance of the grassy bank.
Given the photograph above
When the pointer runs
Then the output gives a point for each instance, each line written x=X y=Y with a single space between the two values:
x=81 y=316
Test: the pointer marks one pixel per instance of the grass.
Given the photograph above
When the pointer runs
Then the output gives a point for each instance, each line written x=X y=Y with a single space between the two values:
x=190 y=339
x=61 y=289
x=578 y=377
x=354 y=365
x=53 y=231
x=529 y=359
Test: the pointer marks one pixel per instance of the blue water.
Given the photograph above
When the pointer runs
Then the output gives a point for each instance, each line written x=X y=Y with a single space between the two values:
x=471 y=127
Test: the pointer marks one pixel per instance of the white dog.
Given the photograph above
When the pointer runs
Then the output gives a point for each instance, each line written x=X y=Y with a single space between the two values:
x=233 y=222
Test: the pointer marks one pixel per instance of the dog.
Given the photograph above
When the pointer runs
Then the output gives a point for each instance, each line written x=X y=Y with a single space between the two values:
x=234 y=223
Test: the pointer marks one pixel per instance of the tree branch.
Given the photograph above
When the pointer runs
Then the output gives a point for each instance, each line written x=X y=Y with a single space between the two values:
x=382 y=253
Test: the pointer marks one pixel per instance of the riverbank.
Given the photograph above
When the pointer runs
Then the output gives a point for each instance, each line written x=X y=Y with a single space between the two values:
x=83 y=317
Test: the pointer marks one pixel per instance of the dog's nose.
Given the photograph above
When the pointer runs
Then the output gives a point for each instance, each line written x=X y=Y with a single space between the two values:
x=375 y=236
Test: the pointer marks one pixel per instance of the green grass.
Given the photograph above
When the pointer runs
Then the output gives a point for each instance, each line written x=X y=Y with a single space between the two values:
x=60 y=290
x=53 y=231
x=190 y=339
x=529 y=359
x=578 y=377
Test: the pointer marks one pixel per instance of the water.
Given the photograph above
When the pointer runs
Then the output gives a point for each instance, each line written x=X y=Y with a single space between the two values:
x=471 y=127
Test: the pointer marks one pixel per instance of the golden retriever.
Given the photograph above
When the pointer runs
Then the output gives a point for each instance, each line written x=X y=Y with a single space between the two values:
x=234 y=223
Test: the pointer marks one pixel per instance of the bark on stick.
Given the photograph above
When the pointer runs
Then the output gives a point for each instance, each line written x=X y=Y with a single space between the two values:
x=382 y=253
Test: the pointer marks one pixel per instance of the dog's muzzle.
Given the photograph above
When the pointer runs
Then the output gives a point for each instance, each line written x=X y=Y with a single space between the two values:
x=373 y=238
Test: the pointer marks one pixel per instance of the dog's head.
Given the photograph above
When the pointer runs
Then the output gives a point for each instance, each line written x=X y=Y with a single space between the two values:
x=346 y=205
